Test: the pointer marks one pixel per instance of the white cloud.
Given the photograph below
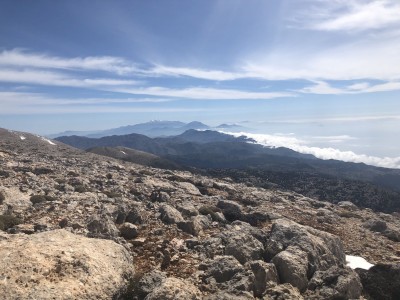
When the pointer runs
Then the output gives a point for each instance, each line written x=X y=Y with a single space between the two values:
x=361 y=15
x=23 y=103
x=322 y=153
x=58 y=79
x=201 y=93
x=19 y=58
x=324 y=88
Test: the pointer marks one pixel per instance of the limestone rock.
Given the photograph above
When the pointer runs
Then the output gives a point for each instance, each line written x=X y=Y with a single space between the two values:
x=292 y=267
x=170 y=215
x=60 y=265
x=336 y=283
x=196 y=225
x=323 y=249
x=149 y=282
x=128 y=231
x=231 y=210
x=283 y=292
x=265 y=274
x=174 y=289
x=102 y=227
x=221 y=268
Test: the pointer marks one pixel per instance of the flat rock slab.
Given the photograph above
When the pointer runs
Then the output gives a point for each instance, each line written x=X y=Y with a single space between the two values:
x=60 y=265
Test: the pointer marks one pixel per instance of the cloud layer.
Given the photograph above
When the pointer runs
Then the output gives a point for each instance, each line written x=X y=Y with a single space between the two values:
x=322 y=153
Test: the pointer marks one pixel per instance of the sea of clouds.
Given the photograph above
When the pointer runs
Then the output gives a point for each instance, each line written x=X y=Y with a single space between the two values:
x=301 y=146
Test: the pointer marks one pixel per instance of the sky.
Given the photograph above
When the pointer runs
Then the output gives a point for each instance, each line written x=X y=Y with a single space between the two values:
x=327 y=72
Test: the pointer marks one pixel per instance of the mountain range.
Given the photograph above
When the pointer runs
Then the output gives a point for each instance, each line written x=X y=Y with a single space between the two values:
x=151 y=129
x=221 y=155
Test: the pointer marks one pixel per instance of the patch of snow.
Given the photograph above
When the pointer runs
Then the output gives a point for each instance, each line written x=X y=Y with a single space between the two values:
x=357 y=262
x=46 y=140
x=22 y=137
x=123 y=152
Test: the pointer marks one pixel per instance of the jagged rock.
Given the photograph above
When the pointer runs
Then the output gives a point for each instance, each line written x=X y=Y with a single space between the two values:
x=128 y=231
x=196 y=225
x=375 y=225
x=187 y=209
x=292 y=267
x=60 y=265
x=135 y=216
x=241 y=245
x=265 y=274
x=221 y=268
x=382 y=281
x=323 y=249
x=392 y=234
x=335 y=283
x=102 y=226
x=283 y=292
x=231 y=210
x=170 y=215
x=149 y=282
x=174 y=289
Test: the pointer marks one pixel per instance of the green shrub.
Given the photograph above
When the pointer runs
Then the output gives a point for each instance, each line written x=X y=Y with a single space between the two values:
x=2 y=198
x=8 y=221
x=41 y=198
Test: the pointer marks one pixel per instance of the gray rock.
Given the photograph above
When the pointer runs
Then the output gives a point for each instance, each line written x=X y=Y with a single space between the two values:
x=392 y=234
x=175 y=289
x=159 y=196
x=135 y=216
x=170 y=215
x=336 y=283
x=196 y=225
x=323 y=249
x=348 y=205
x=265 y=274
x=228 y=296
x=102 y=226
x=375 y=225
x=149 y=282
x=241 y=245
x=292 y=267
x=283 y=292
x=221 y=268
x=128 y=231
x=231 y=210
x=187 y=209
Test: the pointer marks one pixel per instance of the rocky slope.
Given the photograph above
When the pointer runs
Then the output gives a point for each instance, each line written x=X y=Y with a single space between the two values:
x=71 y=218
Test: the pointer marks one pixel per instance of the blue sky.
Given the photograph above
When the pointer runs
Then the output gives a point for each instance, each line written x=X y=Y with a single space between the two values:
x=70 y=65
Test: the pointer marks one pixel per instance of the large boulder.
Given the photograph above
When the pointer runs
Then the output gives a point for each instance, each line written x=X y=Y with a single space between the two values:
x=221 y=268
x=102 y=226
x=382 y=281
x=292 y=267
x=335 y=283
x=60 y=265
x=323 y=249
x=174 y=289
x=241 y=244
x=149 y=282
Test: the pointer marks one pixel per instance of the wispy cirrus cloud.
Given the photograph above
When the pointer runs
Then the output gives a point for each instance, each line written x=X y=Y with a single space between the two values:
x=356 y=15
x=20 y=58
x=49 y=78
x=201 y=93
x=325 y=88
x=23 y=103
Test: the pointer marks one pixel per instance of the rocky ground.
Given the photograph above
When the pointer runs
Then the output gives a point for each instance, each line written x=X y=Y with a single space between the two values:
x=76 y=225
